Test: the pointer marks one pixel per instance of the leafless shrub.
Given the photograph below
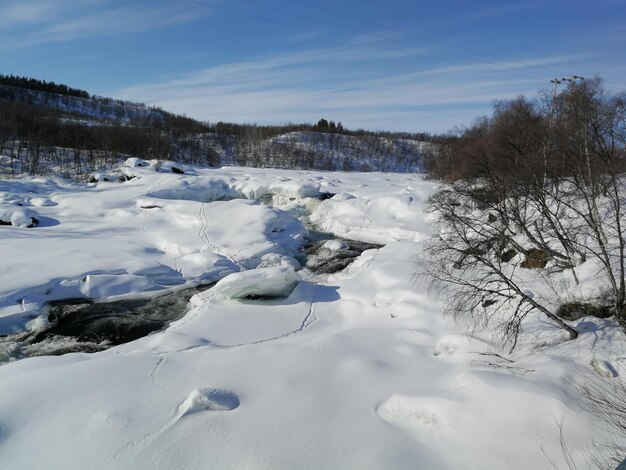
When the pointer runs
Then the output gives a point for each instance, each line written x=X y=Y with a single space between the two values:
x=607 y=400
x=545 y=183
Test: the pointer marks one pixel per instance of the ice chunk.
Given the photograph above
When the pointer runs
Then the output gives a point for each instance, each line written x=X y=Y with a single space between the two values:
x=200 y=189
x=276 y=281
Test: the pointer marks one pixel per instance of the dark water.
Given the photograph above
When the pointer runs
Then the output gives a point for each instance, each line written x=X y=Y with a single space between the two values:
x=79 y=325
x=322 y=261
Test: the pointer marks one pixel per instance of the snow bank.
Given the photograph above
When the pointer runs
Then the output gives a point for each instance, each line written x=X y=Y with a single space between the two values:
x=365 y=366
x=379 y=219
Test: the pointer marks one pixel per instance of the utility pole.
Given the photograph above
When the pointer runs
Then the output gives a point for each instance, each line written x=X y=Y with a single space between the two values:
x=556 y=82
x=572 y=79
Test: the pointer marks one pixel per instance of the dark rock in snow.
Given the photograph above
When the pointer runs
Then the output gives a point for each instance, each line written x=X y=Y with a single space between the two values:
x=536 y=259
x=508 y=255
x=324 y=196
x=178 y=171
x=576 y=310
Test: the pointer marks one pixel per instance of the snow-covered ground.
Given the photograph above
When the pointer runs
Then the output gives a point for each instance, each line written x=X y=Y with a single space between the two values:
x=359 y=371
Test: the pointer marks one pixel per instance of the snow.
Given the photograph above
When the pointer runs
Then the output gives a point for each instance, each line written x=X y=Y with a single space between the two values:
x=335 y=245
x=360 y=371
x=18 y=216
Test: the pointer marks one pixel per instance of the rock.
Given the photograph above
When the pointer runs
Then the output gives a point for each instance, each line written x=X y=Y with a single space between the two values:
x=508 y=255
x=536 y=259
x=178 y=171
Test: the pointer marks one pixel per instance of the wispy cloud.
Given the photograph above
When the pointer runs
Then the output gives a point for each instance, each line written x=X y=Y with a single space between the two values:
x=26 y=12
x=25 y=23
x=309 y=84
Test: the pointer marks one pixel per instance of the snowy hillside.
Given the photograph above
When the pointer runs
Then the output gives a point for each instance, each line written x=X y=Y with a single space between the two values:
x=100 y=109
x=47 y=133
x=273 y=364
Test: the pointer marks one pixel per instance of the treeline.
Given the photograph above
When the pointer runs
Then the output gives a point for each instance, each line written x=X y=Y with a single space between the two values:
x=530 y=138
x=42 y=85
x=45 y=132
x=323 y=126
x=37 y=140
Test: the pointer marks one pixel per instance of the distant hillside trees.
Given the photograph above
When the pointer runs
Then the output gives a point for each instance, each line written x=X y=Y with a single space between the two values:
x=47 y=127
x=41 y=85
x=328 y=126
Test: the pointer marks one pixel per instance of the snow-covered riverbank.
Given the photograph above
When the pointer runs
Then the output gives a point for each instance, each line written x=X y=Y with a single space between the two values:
x=360 y=371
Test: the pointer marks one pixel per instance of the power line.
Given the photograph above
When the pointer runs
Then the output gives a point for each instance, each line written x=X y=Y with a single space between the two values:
x=429 y=38
x=468 y=61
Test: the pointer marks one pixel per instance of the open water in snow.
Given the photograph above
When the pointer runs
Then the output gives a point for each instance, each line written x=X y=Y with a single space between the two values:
x=80 y=325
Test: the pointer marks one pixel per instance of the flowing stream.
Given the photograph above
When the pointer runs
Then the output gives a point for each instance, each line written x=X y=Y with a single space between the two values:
x=80 y=325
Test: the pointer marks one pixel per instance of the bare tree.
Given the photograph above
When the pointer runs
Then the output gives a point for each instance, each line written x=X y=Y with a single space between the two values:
x=540 y=193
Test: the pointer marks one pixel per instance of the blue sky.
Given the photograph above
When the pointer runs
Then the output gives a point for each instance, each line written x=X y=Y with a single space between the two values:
x=393 y=65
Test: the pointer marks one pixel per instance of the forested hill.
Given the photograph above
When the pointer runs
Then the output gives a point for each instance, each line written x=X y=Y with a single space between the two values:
x=48 y=128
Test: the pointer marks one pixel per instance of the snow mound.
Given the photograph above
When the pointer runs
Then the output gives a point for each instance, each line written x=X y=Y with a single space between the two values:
x=208 y=399
x=335 y=245
x=276 y=281
x=379 y=219
x=136 y=162
x=297 y=189
x=18 y=217
x=258 y=189
x=342 y=196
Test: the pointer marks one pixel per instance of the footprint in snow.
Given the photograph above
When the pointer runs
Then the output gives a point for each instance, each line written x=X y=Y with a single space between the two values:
x=419 y=414
x=452 y=345
x=208 y=399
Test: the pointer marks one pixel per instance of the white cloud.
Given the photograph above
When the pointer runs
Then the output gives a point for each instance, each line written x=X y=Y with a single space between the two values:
x=309 y=84
x=24 y=12
x=31 y=22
